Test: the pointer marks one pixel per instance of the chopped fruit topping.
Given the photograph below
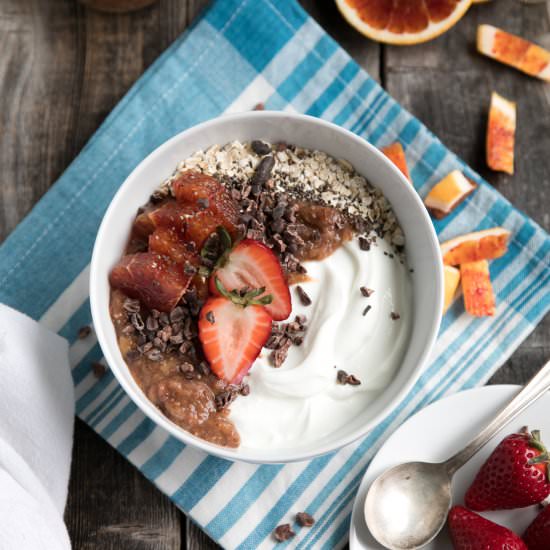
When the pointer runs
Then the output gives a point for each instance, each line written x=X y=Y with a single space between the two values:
x=448 y=193
x=515 y=475
x=201 y=225
x=157 y=281
x=514 y=51
x=470 y=531
x=451 y=277
x=233 y=328
x=252 y=264
x=538 y=533
x=197 y=189
x=170 y=243
x=480 y=245
x=396 y=154
x=168 y=215
x=193 y=224
x=409 y=22
x=191 y=186
x=479 y=299
x=501 y=130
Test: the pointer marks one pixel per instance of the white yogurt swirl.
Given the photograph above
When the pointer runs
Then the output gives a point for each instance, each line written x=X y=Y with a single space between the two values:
x=300 y=402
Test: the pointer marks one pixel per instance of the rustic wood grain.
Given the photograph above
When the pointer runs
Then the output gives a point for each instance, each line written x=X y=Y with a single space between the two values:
x=64 y=67
x=112 y=506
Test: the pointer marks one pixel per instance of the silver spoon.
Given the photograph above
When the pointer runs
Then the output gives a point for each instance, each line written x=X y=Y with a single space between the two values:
x=407 y=505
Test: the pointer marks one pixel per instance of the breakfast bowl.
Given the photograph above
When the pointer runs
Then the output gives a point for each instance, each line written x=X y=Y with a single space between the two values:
x=314 y=429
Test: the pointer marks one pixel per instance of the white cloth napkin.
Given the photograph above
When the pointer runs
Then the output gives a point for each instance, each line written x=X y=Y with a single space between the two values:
x=36 y=434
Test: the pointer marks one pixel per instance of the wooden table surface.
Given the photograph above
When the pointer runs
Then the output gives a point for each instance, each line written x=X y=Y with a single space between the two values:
x=64 y=67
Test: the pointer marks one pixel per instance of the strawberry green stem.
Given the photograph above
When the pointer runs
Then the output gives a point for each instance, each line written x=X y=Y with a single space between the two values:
x=245 y=297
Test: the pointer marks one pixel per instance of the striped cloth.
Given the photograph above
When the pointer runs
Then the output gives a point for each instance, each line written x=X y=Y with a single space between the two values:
x=241 y=52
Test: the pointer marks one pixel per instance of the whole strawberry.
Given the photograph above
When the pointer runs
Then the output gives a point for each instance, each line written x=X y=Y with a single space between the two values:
x=469 y=531
x=537 y=535
x=514 y=476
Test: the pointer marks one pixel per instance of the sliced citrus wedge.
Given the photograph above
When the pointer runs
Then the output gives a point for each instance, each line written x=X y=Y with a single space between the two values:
x=479 y=298
x=514 y=51
x=396 y=154
x=480 y=245
x=446 y=195
x=402 y=22
x=501 y=129
x=451 y=277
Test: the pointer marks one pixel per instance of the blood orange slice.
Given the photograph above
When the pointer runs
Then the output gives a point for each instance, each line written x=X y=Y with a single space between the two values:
x=451 y=277
x=479 y=298
x=514 y=51
x=501 y=130
x=480 y=245
x=402 y=21
x=448 y=194
x=396 y=154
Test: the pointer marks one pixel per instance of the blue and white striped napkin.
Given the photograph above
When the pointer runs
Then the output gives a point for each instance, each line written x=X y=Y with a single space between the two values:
x=239 y=53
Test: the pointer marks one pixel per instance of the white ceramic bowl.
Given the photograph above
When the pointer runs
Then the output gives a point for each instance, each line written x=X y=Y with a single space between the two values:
x=421 y=246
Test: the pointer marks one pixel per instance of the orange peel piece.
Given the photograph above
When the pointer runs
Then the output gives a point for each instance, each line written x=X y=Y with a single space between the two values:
x=446 y=195
x=451 y=278
x=396 y=154
x=479 y=245
x=514 y=51
x=479 y=298
x=501 y=129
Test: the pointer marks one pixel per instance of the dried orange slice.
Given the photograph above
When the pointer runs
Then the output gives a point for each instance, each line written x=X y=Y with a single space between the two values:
x=479 y=298
x=402 y=21
x=396 y=154
x=451 y=277
x=480 y=245
x=501 y=129
x=514 y=51
x=448 y=193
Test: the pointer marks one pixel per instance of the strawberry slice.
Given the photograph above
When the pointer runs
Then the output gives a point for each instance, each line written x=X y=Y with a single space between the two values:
x=233 y=328
x=470 y=531
x=251 y=264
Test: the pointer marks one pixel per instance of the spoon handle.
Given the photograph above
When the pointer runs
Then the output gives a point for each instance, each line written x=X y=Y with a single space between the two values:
x=536 y=387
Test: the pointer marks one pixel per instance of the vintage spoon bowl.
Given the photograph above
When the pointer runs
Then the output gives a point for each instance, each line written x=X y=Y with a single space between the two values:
x=407 y=506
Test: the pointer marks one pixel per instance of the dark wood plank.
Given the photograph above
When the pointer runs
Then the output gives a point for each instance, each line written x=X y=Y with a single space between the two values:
x=111 y=505
x=39 y=83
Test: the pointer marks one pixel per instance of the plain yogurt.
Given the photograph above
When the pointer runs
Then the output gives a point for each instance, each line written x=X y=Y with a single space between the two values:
x=300 y=402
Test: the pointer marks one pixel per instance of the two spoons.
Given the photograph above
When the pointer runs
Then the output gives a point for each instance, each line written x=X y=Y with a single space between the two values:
x=407 y=506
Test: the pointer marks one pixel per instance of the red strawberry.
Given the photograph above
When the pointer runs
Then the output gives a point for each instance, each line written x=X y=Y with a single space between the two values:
x=233 y=329
x=514 y=476
x=469 y=531
x=252 y=264
x=537 y=536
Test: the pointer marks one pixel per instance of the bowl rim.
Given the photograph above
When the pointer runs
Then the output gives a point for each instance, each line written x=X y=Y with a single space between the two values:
x=154 y=414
